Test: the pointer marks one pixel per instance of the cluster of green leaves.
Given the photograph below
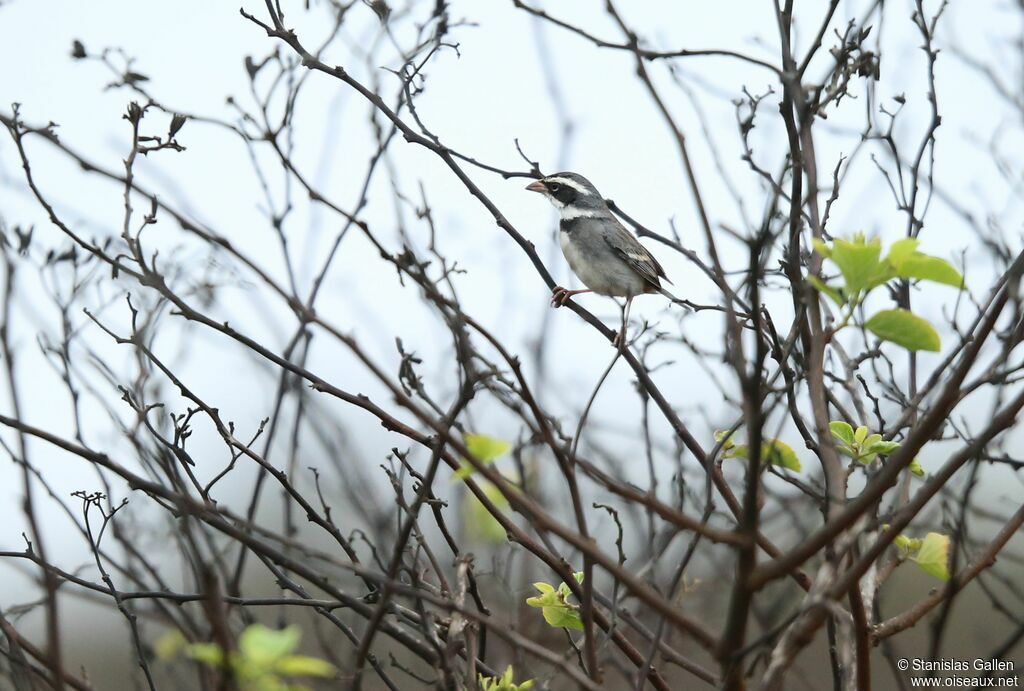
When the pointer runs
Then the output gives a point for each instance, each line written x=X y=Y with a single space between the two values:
x=264 y=660
x=930 y=553
x=555 y=606
x=864 y=447
x=773 y=451
x=863 y=269
x=504 y=682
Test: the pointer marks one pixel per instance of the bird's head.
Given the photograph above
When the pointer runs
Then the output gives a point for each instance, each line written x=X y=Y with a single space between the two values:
x=572 y=194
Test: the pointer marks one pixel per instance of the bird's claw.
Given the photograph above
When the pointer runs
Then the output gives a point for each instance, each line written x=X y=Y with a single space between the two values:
x=559 y=296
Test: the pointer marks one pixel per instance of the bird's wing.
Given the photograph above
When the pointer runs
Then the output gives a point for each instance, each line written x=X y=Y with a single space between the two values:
x=629 y=249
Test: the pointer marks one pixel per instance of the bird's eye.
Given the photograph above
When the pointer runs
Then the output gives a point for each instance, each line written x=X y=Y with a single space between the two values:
x=554 y=187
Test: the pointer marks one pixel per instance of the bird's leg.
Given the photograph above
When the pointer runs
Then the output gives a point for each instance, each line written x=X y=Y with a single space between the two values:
x=620 y=337
x=560 y=295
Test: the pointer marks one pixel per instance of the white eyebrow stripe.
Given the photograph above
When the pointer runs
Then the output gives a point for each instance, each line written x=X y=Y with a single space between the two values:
x=568 y=183
x=571 y=212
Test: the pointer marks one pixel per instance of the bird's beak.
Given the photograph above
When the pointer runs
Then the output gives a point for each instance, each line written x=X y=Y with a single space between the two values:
x=537 y=186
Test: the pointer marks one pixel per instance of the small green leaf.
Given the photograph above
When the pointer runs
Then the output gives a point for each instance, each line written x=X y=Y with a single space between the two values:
x=207 y=653
x=485 y=449
x=544 y=588
x=781 y=454
x=539 y=600
x=504 y=683
x=905 y=329
x=900 y=250
x=832 y=292
x=772 y=451
x=724 y=438
x=860 y=434
x=884 y=448
x=883 y=273
x=858 y=261
x=933 y=556
x=304 y=666
x=821 y=248
x=904 y=543
x=169 y=645
x=562 y=618
x=481 y=526
x=262 y=645
x=916 y=468
x=928 y=268
x=842 y=431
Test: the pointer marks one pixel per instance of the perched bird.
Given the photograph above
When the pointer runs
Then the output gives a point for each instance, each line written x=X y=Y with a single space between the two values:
x=605 y=256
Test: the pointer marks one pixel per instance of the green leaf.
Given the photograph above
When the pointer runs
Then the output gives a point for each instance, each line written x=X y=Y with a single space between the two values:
x=842 y=431
x=904 y=543
x=261 y=645
x=928 y=268
x=481 y=526
x=504 y=683
x=900 y=250
x=781 y=454
x=554 y=605
x=725 y=438
x=933 y=556
x=883 y=273
x=858 y=261
x=832 y=292
x=304 y=666
x=562 y=618
x=821 y=248
x=485 y=449
x=905 y=329
x=207 y=653
x=169 y=645
x=884 y=448
x=860 y=434
x=916 y=468
x=772 y=451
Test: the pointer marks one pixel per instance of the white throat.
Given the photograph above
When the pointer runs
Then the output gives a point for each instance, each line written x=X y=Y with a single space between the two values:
x=568 y=213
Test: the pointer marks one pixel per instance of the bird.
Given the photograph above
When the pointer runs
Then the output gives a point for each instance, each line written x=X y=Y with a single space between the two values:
x=604 y=255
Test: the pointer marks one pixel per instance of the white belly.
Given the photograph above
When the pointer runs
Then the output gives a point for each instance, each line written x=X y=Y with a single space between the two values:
x=602 y=272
